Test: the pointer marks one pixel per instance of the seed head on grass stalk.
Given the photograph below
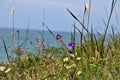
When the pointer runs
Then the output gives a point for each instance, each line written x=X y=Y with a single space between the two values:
x=13 y=35
x=89 y=9
x=86 y=8
x=12 y=11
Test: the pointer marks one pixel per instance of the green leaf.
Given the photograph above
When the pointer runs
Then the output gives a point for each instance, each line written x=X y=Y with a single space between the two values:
x=6 y=50
x=78 y=20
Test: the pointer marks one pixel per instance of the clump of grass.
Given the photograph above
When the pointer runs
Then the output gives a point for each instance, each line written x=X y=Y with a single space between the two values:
x=91 y=59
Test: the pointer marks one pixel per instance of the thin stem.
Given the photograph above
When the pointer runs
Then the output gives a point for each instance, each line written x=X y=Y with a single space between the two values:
x=89 y=14
x=13 y=35
x=108 y=22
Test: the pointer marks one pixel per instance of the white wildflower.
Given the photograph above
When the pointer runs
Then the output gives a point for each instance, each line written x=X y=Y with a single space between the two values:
x=68 y=67
x=7 y=70
x=65 y=59
x=2 y=68
x=79 y=72
x=72 y=55
x=78 y=58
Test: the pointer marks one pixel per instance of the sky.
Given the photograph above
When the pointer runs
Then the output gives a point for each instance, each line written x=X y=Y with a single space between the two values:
x=55 y=15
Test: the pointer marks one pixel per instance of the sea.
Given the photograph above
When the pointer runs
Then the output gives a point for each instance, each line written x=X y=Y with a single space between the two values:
x=30 y=42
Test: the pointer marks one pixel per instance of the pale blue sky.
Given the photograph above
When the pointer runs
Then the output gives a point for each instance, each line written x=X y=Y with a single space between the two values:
x=56 y=15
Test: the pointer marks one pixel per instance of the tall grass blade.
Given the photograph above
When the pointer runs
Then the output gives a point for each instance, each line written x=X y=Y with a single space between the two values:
x=96 y=41
x=43 y=24
x=108 y=22
x=92 y=37
x=27 y=32
x=117 y=20
x=81 y=34
x=83 y=20
x=6 y=49
x=43 y=34
x=77 y=29
x=27 y=38
x=113 y=32
x=112 y=8
x=50 y=31
x=72 y=37
x=77 y=20
x=18 y=37
x=74 y=33
x=13 y=35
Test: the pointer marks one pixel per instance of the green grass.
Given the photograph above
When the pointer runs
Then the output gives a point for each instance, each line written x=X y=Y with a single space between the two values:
x=94 y=58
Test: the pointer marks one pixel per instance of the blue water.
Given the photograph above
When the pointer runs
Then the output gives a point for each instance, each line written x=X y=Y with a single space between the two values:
x=48 y=40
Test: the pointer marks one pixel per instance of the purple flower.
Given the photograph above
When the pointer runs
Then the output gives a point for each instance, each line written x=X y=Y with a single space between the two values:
x=71 y=44
x=19 y=48
x=58 y=37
